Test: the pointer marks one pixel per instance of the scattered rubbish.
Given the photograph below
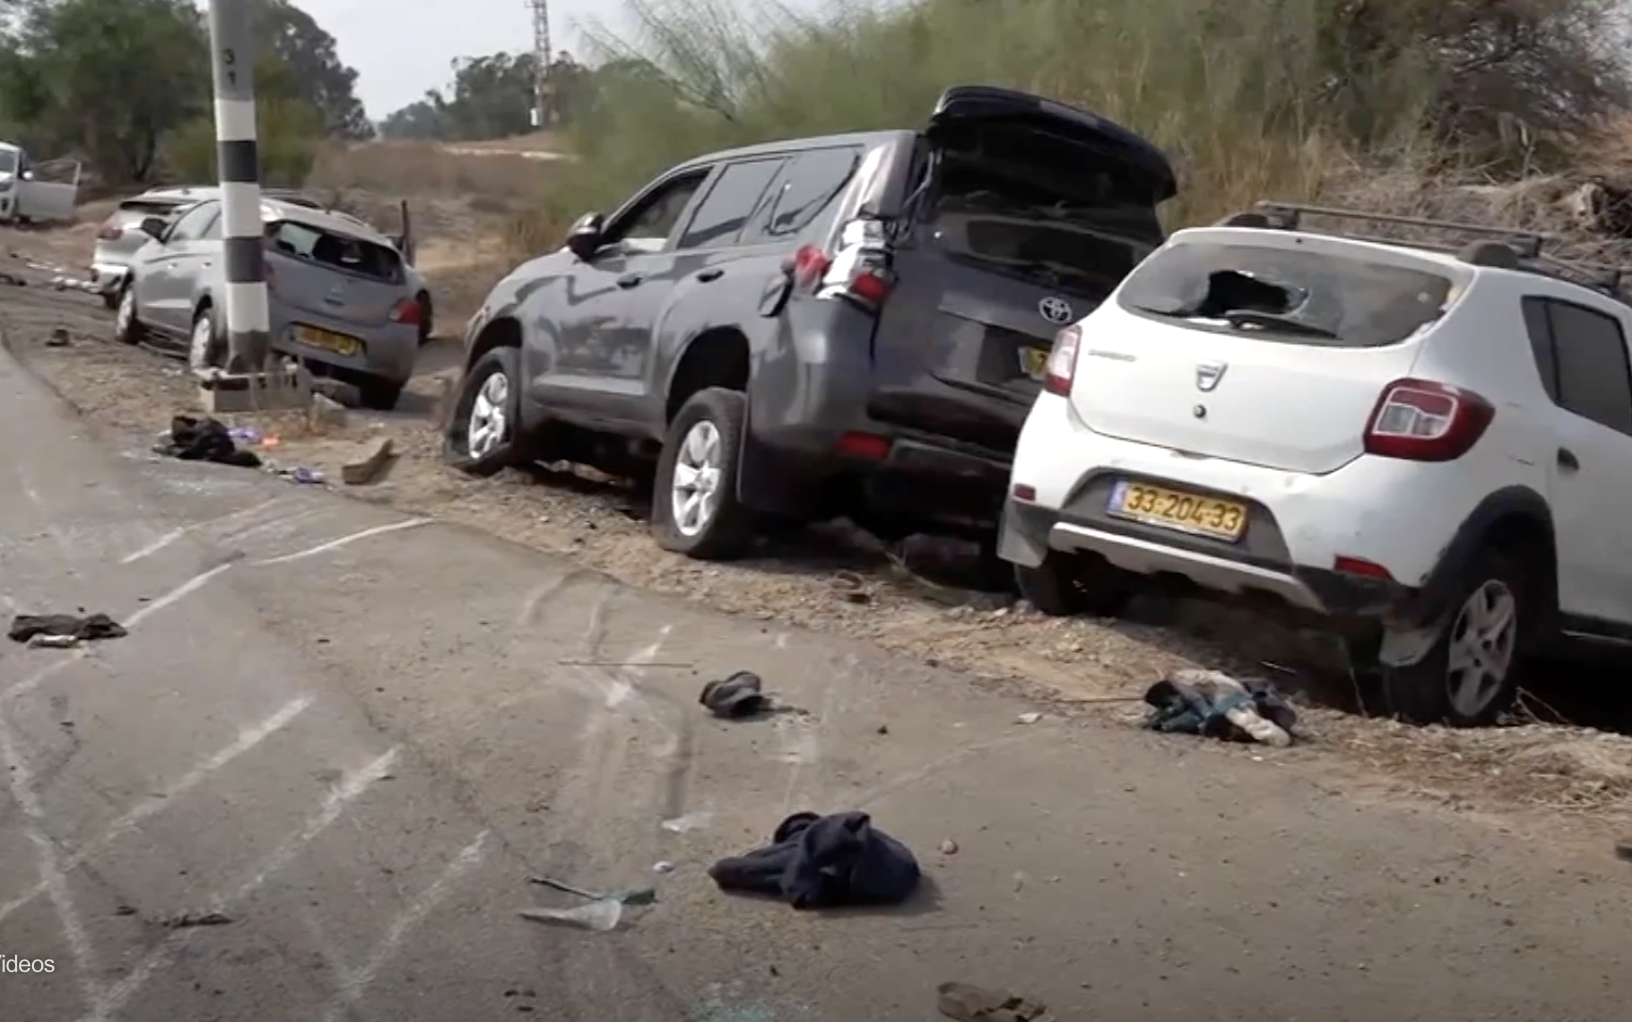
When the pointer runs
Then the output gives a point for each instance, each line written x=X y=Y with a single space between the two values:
x=328 y=412
x=189 y=920
x=1029 y=718
x=949 y=847
x=1214 y=705
x=738 y=695
x=1623 y=849
x=55 y=641
x=304 y=476
x=25 y=627
x=824 y=862
x=375 y=457
x=599 y=916
x=245 y=434
x=12 y=279
x=663 y=866
x=125 y=910
x=688 y=822
x=337 y=391
x=58 y=338
x=966 y=1002
x=194 y=439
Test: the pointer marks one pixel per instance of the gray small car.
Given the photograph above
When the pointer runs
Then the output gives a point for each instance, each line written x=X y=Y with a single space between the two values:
x=339 y=293
x=120 y=237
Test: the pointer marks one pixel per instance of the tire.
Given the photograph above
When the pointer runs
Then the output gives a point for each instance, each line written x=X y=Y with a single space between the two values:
x=706 y=434
x=112 y=297
x=425 y=327
x=1070 y=586
x=1431 y=691
x=127 y=328
x=479 y=399
x=206 y=348
x=380 y=395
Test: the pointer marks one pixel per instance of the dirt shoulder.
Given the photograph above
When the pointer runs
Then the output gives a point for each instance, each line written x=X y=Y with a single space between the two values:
x=831 y=580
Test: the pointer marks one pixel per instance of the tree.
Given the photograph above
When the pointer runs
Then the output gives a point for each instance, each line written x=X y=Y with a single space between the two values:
x=288 y=130
x=492 y=97
x=288 y=33
x=107 y=78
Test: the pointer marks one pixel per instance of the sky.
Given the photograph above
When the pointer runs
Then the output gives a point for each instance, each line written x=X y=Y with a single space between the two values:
x=402 y=49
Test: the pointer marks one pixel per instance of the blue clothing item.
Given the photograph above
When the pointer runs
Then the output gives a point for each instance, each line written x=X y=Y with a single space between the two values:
x=824 y=862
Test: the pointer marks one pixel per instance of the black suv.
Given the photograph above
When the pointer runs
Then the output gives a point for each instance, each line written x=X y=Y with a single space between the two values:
x=844 y=326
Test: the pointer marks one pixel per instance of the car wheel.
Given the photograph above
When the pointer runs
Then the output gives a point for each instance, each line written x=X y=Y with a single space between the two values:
x=127 y=329
x=481 y=433
x=380 y=395
x=1471 y=673
x=1067 y=585
x=111 y=298
x=695 y=510
x=207 y=349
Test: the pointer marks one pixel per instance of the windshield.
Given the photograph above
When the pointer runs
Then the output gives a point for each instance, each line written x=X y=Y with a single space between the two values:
x=1085 y=240
x=8 y=161
x=1289 y=295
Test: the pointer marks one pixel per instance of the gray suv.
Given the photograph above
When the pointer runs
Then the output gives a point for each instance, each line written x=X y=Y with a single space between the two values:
x=845 y=326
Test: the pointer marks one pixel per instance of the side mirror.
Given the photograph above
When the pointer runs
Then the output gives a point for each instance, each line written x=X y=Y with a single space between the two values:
x=28 y=175
x=585 y=237
x=154 y=227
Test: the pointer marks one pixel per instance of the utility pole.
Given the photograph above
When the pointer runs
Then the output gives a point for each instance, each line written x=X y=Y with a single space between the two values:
x=232 y=61
x=543 y=56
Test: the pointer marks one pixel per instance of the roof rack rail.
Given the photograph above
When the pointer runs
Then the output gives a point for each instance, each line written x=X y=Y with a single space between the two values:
x=1526 y=246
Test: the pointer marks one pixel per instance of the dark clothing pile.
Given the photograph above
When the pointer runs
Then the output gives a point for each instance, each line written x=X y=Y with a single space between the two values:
x=194 y=439
x=1197 y=703
x=740 y=695
x=88 y=628
x=824 y=862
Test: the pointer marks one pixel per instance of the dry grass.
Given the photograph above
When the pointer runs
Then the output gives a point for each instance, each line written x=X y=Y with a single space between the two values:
x=499 y=180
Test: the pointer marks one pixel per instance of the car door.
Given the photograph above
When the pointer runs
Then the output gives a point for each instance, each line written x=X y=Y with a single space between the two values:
x=163 y=293
x=1581 y=353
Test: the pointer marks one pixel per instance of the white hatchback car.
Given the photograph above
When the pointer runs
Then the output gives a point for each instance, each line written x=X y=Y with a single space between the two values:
x=1428 y=448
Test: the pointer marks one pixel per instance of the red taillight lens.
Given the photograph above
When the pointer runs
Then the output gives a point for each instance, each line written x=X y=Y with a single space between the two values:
x=109 y=231
x=1419 y=420
x=870 y=288
x=864 y=445
x=405 y=311
x=808 y=265
x=1062 y=361
x=1360 y=566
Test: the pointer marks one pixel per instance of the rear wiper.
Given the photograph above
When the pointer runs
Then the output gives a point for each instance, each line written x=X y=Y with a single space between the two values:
x=1270 y=321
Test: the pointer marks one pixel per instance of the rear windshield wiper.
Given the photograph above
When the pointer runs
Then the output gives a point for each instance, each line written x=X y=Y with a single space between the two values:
x=1270 y=321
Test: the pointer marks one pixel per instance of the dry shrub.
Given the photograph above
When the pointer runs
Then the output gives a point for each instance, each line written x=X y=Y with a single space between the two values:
x=425 y=168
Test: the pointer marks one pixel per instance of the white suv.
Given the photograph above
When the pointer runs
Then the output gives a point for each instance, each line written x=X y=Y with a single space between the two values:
x=1426 y=448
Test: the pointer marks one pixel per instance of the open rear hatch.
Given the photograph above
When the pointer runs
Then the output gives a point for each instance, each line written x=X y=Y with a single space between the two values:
x=1025 y=216
x=1268 y=350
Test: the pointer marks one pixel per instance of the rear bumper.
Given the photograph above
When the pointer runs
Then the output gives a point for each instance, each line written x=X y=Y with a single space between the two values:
x=387 y=353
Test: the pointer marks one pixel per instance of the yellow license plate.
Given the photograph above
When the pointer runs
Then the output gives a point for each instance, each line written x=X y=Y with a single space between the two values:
x=328 y=340
x=1173 y=509
x=1033 y=362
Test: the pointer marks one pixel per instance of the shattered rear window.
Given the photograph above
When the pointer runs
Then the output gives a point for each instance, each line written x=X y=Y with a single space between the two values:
x=342 y=252
x=1286 y=295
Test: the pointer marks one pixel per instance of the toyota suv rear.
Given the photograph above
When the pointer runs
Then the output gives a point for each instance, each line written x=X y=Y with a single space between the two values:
x=853 y=325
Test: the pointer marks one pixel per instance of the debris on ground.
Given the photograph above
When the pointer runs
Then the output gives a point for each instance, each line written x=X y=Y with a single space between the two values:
x=966 y=1002
x=1214 y=705
x=1623 y=849
x=326 y=411
x=304 y=476
x=369 y=465
x=195 y=439
x=69 y=629
x=602 y=912
x=12 y=279
x=688 y=822
x=1028 y=718
x=824 y=862
x=663 y=866
x=58 y=338
x=735 y=696
x=949 y=847
x=189 y=920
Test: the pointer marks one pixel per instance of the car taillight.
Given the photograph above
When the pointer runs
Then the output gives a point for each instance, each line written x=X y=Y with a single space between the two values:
x=862 y=274
x=1061 y=368
x=1419 y=420
x=109 y=231
x=405 y=311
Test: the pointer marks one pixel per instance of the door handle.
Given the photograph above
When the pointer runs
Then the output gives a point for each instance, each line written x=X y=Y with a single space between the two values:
x=629 y=281
x=1567 y=461
x=707 y=275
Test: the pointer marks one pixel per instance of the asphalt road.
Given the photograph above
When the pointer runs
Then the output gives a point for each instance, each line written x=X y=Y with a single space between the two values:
x=353 y=735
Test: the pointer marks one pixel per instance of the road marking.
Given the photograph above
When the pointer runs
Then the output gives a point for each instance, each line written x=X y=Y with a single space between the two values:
x=153 y=547
x=248 y=738
x=165 y=952
x=158 y=603
x=356 y=982
x=335 y=544
x=51 y=872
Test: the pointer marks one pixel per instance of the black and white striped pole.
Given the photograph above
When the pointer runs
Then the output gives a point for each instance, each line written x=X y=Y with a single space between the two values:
x=248 y=324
